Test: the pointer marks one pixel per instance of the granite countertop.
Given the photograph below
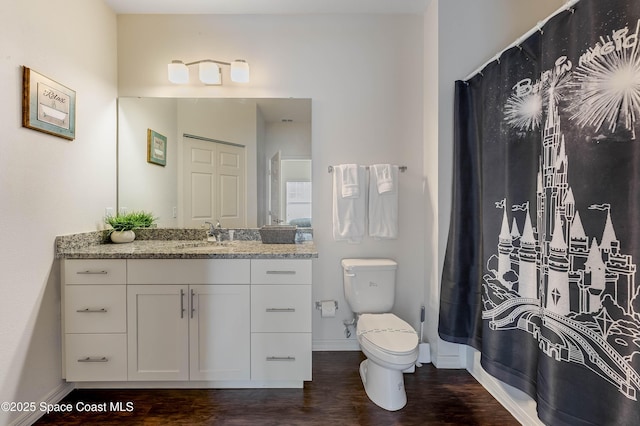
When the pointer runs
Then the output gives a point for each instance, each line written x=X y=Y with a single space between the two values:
x=94 y=246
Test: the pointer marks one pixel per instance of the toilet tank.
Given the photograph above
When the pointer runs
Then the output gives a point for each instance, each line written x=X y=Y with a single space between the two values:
x=369 y=284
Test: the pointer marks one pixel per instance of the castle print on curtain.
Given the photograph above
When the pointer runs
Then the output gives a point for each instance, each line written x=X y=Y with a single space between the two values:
x=540 y=273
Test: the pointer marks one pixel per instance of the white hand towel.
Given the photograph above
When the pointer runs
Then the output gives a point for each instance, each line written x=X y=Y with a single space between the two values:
x=385 y=178
x=350 y=181
x=348 y=213
x=383 y=207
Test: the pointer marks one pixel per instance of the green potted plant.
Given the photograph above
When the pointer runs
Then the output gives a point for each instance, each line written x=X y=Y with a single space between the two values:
x=124 y=224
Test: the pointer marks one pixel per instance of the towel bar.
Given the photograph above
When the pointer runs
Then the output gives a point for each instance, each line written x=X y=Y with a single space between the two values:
x=401 y=168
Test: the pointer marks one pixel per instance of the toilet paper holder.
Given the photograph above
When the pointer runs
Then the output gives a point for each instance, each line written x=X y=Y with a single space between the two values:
x=319 y=304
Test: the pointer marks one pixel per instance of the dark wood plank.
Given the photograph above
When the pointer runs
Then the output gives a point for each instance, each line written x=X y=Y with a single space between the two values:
x=334 y=397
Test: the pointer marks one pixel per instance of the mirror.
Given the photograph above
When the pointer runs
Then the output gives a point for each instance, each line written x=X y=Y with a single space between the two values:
x=246 y=162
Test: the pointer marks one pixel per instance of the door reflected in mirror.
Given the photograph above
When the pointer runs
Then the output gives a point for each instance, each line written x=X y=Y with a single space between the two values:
x=245 y=162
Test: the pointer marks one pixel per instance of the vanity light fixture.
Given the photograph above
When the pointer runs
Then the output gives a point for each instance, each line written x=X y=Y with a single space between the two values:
x=208 y=71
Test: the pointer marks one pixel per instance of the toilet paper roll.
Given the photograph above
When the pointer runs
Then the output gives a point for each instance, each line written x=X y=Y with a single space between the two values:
x=328 y=308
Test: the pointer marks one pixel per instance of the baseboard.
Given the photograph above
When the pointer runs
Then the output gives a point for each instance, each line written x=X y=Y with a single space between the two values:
x=197 y=384
x=335 y=345
x=506 y=399
x=448 y=361
x=53 y=397
x=516 y=402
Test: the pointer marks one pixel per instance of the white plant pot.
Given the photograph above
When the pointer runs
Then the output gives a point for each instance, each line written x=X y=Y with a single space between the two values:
x=122 y=236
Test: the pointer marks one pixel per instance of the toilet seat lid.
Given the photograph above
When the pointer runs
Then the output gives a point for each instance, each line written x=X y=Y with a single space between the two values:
x=388 y=332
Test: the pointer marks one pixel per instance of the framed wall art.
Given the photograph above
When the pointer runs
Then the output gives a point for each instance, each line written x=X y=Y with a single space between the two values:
x=156 y=148
x=48 y=106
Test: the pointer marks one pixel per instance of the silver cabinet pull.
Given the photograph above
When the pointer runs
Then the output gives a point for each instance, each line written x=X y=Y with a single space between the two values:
x=280 y=309
x=281 y=272
x=94 y=359
x=193 y=308
x=92 y=272
x=281 y=358
x=182 y=309
x=93 y=311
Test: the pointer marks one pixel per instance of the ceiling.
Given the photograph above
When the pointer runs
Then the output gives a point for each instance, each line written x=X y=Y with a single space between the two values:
x=279 y=110
x=267 y=6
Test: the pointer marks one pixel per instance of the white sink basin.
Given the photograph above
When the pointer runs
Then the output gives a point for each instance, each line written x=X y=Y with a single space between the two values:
x=210 y=245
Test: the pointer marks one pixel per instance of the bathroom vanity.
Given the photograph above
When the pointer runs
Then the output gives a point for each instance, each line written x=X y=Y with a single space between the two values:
x=183 y=313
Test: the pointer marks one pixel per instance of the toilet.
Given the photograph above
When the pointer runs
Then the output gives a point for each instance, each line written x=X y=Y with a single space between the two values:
x=388 y=342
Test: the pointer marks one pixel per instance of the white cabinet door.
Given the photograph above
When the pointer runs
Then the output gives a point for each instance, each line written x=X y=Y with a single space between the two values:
x=188 y=271
x=281 y=356
x=95 y=309
x=96 y=357
x=94 y=271
x=281 y=308
x=158 y=332
x=281 y=271
x=219 y=332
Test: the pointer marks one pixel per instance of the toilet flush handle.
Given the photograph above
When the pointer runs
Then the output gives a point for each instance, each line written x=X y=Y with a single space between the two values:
x=349 y=274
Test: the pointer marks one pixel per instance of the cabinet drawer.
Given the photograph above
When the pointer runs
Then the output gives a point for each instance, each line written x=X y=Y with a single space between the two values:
x=280 y=271
x=281 y=308
x=95 y=309
x=281 y=356
x=96 y=357
x=95 y=271
x=188 y=271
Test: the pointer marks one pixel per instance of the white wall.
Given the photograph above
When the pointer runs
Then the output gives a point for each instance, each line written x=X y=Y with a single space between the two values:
x=469 y=34
x=293 y=140
x=367 y=108
x=431 y=172
x=49 y=186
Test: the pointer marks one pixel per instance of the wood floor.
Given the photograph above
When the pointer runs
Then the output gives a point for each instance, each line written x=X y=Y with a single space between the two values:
x=334 y=397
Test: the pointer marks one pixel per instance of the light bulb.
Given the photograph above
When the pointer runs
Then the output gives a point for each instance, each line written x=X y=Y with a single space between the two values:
x=209 y=73
x=178 y=72
x=240 y=71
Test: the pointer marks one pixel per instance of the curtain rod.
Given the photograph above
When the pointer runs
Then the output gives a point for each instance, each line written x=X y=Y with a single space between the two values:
x=567 y=6
x=401 y=168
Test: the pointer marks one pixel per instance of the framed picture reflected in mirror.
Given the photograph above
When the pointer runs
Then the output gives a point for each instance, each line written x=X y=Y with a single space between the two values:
x=156 y=148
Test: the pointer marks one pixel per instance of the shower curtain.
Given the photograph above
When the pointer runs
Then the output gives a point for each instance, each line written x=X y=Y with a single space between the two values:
x=540 y=268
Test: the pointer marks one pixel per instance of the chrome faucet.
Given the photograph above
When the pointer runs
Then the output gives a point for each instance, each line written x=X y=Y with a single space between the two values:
x=215 y=231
